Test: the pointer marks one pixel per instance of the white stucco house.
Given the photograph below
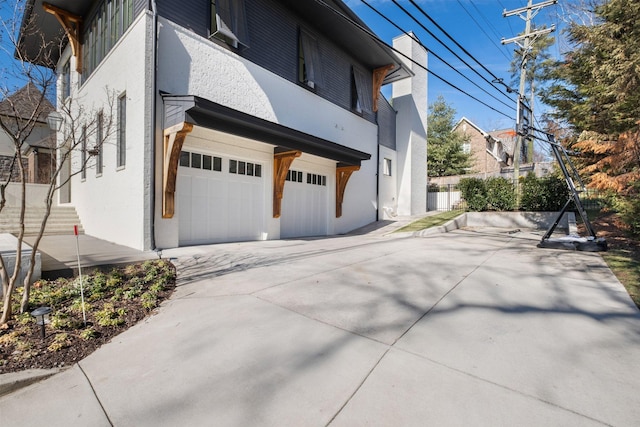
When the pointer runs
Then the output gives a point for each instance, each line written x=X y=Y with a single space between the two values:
x=235 y=119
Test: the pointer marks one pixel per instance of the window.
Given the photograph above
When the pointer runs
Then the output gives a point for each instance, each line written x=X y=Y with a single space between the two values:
x=196 y=161
x=122 y=132
x=83 y=154
x=360 y=92
x=103 y=30
x=201 y=161
x=294 y=176
x=244 y=168
x=466 y=147
x=386 y=167
x=99 y=144
x=66 y=80
x=314 y=179
x=184 y=159
x=229 y=22
x=309 y=64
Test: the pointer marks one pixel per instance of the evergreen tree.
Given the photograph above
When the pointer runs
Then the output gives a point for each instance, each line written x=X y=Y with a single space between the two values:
x=445 y=155
x=596 y=87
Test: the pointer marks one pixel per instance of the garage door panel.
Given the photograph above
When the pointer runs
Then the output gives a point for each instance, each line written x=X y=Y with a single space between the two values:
x=304 y=207
x=219 y=206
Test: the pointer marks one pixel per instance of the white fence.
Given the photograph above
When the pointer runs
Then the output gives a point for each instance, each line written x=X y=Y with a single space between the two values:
x=443 y=200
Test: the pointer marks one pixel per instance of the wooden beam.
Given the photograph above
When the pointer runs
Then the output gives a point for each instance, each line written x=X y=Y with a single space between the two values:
x=378 y=77
x=173 y=140
x=72 y=25
x=343 y=173
x=281 y=164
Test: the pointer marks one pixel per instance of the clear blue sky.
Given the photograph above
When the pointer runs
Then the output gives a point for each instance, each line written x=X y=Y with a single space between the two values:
x=478 y=26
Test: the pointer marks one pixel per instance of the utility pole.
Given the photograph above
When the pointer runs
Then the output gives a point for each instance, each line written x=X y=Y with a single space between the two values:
x=525 y=43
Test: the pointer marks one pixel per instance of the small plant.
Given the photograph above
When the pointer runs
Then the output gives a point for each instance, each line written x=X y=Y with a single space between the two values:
x=88 y=334
x=110 y=316
x=133 y=292
x=149 y=300
x=76 y=306
x=62 y=320
x=60 y=341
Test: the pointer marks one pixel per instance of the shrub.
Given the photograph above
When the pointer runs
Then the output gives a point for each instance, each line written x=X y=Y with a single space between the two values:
x=543 y=194
x=474 y=191
x=501 y=194
x=629 y=208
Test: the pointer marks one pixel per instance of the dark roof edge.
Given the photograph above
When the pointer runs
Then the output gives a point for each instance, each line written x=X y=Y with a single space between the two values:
x=203 y=112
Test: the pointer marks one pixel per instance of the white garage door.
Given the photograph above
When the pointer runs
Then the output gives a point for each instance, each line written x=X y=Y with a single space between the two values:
x=219 y=199
x=304 y=205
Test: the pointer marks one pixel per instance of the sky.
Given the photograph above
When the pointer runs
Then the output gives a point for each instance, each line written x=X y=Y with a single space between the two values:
x=478 y=26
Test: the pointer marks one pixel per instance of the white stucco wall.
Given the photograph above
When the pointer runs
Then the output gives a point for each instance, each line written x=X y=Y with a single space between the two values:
x=111 y=206
x=192 y=65
x=388 y=195
x=410 y=101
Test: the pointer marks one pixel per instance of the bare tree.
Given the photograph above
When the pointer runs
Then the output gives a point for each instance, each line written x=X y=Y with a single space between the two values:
x=83 y=134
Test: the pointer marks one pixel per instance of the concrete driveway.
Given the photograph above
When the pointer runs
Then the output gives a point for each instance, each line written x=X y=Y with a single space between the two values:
x=473 y=327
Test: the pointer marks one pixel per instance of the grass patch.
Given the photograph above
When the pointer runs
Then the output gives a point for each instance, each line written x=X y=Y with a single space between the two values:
x=430 y=221
x=626 y=268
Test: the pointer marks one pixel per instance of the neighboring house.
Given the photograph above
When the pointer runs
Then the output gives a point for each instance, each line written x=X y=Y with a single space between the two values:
x=236 y=119
x=38 y=149
x=491 y=154
x=490 y=151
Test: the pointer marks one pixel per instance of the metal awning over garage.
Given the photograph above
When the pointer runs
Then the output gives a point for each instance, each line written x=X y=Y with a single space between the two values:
x=202 y=112
x=182 y=112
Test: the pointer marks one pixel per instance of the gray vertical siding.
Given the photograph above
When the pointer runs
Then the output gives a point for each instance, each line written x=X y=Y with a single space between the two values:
x=386 y=123
x=190 y=14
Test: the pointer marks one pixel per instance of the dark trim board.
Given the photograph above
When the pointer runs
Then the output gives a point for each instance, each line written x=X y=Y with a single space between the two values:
x=205 y=113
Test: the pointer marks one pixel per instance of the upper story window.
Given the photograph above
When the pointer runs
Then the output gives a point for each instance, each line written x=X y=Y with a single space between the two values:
x=121 y=147
x=309 y=64
x=103 y=30
x=466 y=147
x=229 y=22
x=360 y=92
x=66 y=80
x=99 y=147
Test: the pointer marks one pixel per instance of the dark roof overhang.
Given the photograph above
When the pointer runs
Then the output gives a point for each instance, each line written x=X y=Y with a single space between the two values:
x=336 y=20
x=38 y=25
x=330 y=17
x=202 y=112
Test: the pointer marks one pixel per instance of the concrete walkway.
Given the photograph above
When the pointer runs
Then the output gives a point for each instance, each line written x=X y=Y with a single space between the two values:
x=473 y=327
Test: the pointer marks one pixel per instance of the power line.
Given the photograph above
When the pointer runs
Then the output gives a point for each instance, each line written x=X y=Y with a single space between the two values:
x=436 y=55
x=381 y=42
x=495 y=78
x=491 y=39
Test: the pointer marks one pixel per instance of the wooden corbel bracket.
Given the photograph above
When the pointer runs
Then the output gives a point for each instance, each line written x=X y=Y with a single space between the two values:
x=174 y=137
x=343 y=173
x=72 y=25
x=281 y=164
x=378 y=78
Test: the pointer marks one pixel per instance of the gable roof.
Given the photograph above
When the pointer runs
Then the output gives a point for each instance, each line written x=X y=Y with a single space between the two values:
x=23 y=102
x=469 y=122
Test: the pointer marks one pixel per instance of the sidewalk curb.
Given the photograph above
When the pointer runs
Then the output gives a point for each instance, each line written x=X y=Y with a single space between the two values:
x=16 y=380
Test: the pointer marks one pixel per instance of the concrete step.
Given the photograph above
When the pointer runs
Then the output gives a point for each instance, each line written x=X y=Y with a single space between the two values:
x=61 y=220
